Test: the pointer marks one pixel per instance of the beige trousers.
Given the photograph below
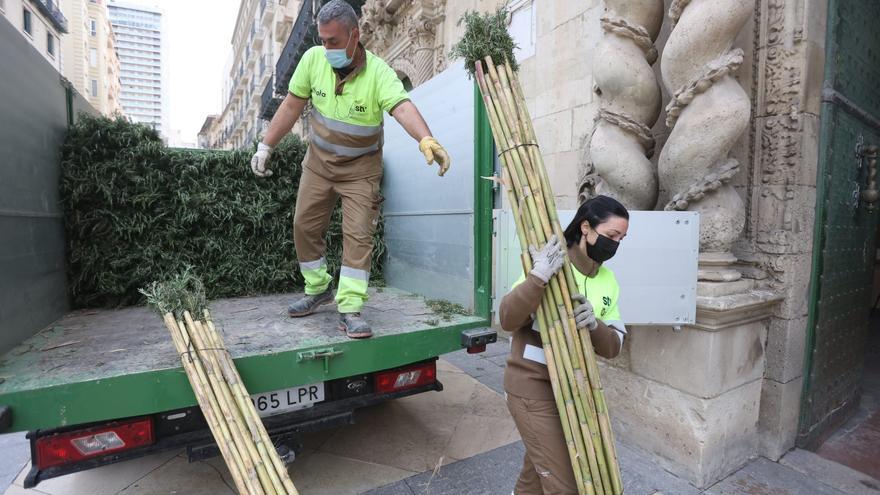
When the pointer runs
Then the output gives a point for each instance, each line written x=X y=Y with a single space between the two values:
x=546 y=467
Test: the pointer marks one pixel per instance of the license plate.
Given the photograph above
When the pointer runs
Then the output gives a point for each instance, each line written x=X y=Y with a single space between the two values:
x=288 y=399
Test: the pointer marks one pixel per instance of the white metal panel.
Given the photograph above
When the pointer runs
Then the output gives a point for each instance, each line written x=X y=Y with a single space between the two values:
x=656 y=265
x=429 y=219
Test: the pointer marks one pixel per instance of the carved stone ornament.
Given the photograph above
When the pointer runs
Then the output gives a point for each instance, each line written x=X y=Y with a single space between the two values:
x=621 y=143
x=408 y=29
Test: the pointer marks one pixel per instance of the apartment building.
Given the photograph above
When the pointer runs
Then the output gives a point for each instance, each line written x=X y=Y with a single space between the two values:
x=89 y=53
x=262 y=28
x=41 y=22
x=138 y=31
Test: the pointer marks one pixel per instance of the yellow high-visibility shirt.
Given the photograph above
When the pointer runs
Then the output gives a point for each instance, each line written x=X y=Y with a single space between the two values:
x=376 y=89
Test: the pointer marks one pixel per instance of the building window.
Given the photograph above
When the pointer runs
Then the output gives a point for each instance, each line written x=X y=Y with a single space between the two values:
x=50 y=44
x=94 y=87
x=523 y=28
x=28 y=22
x=93 y=27
x=93 y=57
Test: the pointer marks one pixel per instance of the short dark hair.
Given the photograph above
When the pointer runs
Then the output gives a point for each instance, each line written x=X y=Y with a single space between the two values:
x=339 y=11
x=595 y=211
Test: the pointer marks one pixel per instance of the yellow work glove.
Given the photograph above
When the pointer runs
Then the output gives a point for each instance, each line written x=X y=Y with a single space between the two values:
x=434 y=152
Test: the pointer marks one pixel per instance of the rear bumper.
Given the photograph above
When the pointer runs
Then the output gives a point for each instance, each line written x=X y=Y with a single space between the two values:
x=283 y=428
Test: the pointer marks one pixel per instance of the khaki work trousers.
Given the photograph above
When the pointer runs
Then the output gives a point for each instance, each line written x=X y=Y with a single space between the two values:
x=315 y=201
x=546 y=466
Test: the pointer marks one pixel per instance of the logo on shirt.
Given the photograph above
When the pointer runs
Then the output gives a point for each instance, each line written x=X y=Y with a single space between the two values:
x=360 y=108
x=606 y=302
x=318 y=92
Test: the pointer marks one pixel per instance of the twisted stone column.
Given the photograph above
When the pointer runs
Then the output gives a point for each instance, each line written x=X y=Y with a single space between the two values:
x=708 y=112
x=621 y=144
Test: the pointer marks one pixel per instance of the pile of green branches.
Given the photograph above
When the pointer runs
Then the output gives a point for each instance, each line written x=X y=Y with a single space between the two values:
x=136 y=211
x=485 y=35
x=182 y=292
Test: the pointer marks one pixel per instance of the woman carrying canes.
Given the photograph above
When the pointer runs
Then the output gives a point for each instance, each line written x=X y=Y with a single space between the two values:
x=591 y=238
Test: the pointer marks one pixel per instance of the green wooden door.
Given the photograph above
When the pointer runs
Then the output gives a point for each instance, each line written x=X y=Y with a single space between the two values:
x=844 y=245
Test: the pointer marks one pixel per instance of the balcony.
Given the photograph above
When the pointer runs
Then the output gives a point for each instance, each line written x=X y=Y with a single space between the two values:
x=255 y=100
x=50 y=9
x=268 y=102
x=259 y=39
x=303 y=36
x=267 y=12
x=282 y=25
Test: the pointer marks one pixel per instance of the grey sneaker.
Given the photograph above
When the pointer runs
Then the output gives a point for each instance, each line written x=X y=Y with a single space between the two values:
x=354 y=325
x=307 y=304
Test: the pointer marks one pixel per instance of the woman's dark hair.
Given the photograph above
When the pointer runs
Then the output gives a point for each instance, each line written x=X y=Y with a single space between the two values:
x=595 y=211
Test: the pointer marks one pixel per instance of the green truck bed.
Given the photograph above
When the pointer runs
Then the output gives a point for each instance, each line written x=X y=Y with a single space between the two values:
x=94 y=365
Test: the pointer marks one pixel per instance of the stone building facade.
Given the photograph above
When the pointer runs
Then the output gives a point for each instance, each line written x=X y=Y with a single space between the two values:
x=42 y=23
x=89 y=52
x=713 y=106
x=261 y=30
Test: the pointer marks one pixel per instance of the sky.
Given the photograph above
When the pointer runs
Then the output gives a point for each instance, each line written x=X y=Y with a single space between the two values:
x=199 y=42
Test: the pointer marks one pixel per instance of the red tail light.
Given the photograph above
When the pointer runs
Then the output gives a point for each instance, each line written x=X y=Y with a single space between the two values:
x=406 y=378
x=73 y=446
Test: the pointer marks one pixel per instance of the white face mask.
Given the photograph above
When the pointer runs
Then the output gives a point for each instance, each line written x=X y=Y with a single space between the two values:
x=338 y=57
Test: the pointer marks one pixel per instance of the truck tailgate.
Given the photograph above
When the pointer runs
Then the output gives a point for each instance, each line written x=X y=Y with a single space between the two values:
x=94 y=365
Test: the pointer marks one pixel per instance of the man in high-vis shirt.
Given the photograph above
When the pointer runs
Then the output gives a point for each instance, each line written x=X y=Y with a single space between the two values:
x=349 y=88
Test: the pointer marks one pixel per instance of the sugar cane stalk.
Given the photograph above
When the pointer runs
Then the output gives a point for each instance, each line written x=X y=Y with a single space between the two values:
x=243 y=476
x=227 y=405
x=233 y=378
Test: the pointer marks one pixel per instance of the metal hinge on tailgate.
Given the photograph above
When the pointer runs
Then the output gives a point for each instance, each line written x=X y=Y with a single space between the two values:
x=314 y=355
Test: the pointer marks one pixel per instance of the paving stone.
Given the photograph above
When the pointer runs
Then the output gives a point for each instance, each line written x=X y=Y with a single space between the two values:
x=471 y=364
x=762 y=476
x=831 y=473
x=642 y=476
x=399 y=488
x=495 y=381
x=491 y=473
x=499 y=360
x=500 y=348
x=326 y=474
x=179 y=475
x=111 y=479
x=16 y=453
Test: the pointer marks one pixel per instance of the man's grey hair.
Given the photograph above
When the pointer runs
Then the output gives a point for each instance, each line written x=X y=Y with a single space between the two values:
x=339 y=11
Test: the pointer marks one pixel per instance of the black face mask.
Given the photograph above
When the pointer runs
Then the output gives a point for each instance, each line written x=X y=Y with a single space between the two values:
x=603 y=250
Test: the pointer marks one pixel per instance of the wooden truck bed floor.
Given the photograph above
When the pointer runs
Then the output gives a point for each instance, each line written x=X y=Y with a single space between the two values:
x=100 y=354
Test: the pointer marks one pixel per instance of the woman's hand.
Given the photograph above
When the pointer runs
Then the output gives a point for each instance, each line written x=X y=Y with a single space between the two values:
x=548 y=260
x=584 y=317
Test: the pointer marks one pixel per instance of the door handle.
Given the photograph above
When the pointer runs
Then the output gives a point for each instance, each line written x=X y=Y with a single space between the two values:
x=870 y=195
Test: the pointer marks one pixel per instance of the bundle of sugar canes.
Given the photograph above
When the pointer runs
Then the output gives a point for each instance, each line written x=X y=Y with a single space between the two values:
x=488 y=52
x=238 y=430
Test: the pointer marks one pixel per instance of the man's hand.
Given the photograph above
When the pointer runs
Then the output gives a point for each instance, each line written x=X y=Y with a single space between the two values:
x=584 y=317
x=258 y=162
x=434 y=152
x=548 y=260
